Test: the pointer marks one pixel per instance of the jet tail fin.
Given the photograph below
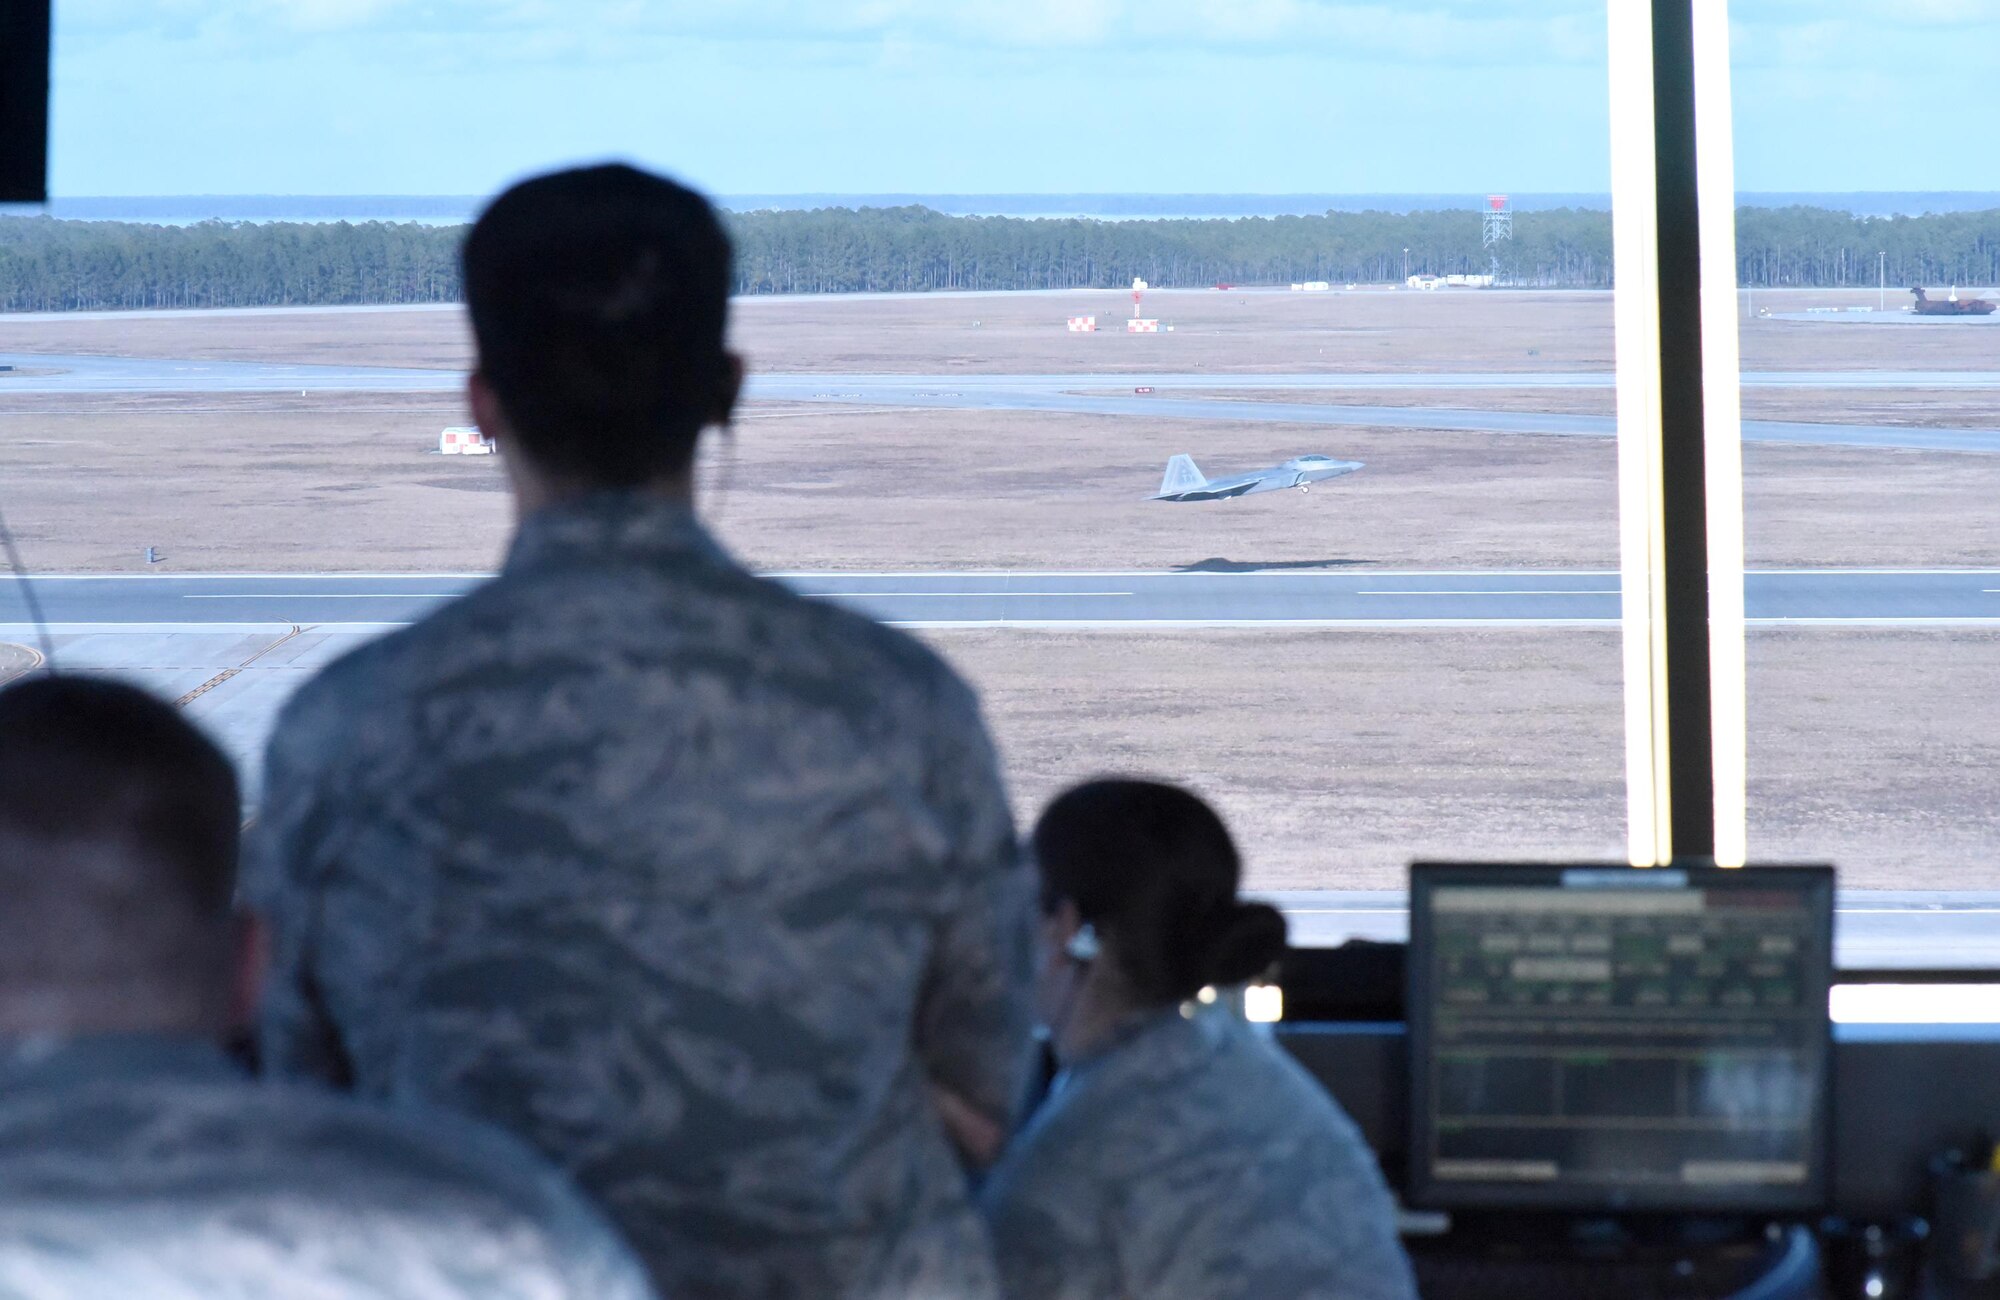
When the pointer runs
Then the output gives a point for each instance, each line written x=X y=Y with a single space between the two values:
x=1182 y=476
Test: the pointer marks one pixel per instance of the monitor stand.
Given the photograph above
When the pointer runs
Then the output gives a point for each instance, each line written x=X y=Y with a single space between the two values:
x=1493 y=1255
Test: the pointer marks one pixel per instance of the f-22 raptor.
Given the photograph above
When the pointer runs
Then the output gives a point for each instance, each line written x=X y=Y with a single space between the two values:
x=1185 y=482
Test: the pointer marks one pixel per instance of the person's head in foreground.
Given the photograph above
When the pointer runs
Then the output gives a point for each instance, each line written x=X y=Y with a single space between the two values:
x=118 y=848
x=1139 y=908
x=136 y=1158
x=599 y=300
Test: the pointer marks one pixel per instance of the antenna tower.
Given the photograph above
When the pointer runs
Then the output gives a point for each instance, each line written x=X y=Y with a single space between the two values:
x=1496 y=224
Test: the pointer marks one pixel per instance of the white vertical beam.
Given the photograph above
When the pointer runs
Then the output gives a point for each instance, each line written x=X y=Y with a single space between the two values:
x=1722 y=414
x=1641 y=511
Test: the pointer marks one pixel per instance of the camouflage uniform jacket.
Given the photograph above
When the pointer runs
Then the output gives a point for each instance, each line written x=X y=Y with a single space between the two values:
x=139 y=1166
x=1193 y=1158
x=692 y=882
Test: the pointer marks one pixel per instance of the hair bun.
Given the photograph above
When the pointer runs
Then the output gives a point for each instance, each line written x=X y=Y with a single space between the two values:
x=1247 y=939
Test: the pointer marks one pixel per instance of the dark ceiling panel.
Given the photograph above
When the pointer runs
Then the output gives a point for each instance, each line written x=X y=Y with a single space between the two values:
x=24 y=101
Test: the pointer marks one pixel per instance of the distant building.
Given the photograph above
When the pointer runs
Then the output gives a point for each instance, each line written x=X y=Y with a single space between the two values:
x=464 y=440
x=1450 y=282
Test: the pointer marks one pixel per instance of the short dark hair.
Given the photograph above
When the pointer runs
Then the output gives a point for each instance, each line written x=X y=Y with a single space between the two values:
x=599 y=300
x=119 y=831
x=1153 y=868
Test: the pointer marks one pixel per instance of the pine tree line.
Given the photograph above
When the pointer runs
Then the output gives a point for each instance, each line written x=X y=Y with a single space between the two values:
x=52 y=265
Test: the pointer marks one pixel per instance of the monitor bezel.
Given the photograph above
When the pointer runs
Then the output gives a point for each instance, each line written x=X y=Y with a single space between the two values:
x=1423 y=1191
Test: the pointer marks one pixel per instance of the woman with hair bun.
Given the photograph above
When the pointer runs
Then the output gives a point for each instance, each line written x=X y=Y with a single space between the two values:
x=1180 y=1154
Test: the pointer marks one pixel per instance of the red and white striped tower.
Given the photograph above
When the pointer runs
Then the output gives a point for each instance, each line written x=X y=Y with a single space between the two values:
x=1495 y=225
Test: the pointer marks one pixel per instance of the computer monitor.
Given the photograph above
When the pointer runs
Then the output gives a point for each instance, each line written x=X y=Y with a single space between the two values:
x=1612 y=1039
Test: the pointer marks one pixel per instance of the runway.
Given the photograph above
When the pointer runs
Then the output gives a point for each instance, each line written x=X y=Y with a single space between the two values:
x=1900 y=316
x=1079 y=394
x=1341 y=598
x=1159 y=406
x=78 y=373
x=57 y=373
x=231 y=649
x=807 y=385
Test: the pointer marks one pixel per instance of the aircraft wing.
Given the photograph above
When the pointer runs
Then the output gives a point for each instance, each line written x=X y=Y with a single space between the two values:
x=1214 y=491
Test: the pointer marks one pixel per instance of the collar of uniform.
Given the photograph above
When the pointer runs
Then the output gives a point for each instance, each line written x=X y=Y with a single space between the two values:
x=622 y=523
x=1153 y=1025
x=67 y=1061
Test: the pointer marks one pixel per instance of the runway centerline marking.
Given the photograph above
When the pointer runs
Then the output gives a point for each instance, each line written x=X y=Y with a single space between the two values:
x=1552 y=591
x=1919 y=909
x=901 y=595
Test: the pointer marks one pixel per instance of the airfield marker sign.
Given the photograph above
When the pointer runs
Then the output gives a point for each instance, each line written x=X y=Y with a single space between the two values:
x=463 y=441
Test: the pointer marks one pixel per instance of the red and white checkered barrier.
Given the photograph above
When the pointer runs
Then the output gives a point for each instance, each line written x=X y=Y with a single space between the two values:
x=464 y=442
x=1142 y=325
x=1083 y=324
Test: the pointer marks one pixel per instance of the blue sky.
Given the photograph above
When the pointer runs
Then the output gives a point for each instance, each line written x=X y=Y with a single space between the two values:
x=780 y=96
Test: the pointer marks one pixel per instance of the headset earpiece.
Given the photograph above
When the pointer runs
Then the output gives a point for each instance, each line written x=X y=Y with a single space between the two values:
x=1082 y=945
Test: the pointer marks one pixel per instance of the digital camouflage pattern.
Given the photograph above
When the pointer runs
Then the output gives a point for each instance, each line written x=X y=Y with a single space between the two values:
x=1192 y=1157
x=151 y=1167
x=694 y=883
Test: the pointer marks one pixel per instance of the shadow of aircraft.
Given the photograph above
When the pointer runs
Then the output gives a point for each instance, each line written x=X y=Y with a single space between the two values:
x=1216 y=564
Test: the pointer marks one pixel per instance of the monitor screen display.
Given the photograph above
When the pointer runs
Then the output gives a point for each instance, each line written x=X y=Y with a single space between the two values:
x=1612 y=1038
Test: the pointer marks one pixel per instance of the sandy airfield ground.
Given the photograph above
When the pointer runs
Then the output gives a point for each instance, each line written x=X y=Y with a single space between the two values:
x=1339 y=753
x=1237 y=332
x=1343 y=754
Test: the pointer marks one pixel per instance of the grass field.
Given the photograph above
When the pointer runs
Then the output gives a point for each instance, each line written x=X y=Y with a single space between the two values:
x=1343 y=754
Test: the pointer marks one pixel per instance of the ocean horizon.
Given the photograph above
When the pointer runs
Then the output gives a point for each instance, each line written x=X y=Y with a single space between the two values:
x=443 y=210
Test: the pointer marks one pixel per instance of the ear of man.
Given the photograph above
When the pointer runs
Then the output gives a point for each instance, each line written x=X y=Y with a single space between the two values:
x=487 y=412
x=250 y=963
x=732 y=388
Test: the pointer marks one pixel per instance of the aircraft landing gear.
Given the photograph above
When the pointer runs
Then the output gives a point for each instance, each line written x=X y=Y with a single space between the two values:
x=1305 y=487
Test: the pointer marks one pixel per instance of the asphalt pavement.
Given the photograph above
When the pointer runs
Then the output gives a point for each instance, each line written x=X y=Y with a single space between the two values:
x=1172 y=599
x=1079 y=394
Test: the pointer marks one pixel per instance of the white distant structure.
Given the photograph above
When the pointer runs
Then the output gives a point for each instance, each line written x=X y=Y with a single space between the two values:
x=1428 y=282
x=1083 y=324
x=1496 y=226
x=1142 y=325
x=1312 y=286
x=463 y=440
